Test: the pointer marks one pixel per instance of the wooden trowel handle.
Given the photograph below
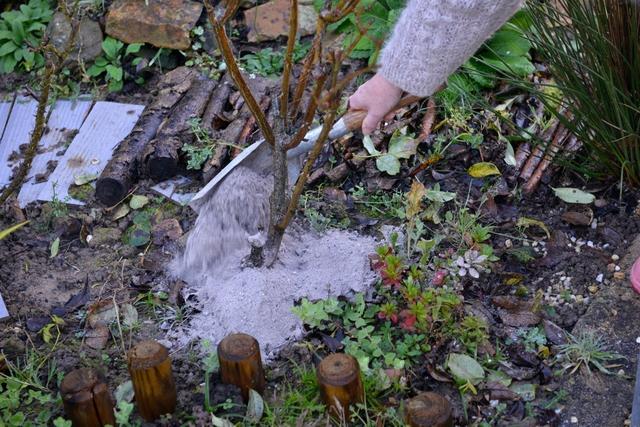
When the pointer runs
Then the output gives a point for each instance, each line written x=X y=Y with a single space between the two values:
x=353 y=118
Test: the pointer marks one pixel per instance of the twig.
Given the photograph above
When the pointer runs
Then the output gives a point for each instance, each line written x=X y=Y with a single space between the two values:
x=288 y=60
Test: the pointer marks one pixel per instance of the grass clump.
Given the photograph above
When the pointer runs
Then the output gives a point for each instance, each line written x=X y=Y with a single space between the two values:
x=593 y=53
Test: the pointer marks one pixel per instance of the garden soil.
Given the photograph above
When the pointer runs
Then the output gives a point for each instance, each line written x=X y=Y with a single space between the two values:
x=258 y=301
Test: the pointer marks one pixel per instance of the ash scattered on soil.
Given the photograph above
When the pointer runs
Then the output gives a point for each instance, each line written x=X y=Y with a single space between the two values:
x=258 y=301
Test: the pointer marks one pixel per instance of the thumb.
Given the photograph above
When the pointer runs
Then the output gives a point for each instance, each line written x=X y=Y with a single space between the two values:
x=371 y=122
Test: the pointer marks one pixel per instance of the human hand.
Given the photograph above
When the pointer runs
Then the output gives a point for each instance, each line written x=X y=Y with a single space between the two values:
x=377 y=97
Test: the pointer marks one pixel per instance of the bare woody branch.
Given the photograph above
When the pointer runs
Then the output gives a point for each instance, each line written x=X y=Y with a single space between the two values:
x=224 y=44
x=288 y=60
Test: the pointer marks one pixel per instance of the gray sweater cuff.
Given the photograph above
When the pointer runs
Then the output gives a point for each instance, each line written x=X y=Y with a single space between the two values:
x=433 y=38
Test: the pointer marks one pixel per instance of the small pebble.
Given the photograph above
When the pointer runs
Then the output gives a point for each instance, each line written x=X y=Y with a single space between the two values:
x=638 y=340
x=619 y=275
x=593 y=289
x=617 y=268
x=615 y=257
x=590 y=244
x=611 y=267
x=508 y=244
x=574 y=420
x=600 y=278
x=594 y=224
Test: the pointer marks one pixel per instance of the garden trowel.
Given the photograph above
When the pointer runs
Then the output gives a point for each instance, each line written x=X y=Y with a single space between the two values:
x=258 y=155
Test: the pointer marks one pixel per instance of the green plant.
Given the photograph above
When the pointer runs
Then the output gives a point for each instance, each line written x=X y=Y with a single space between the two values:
x=25 y=396
x=20 y=34
x=584 y=350
x=267 y=62
x=379 y=204
x=593 y=52
x=378 y=17
x=211 y=364
x=199 y=152
x=533 y=338
x=111 y=63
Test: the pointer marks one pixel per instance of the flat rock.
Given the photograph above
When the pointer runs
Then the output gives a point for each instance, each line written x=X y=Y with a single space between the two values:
x=161 y=23
x=271 y=20
x=88 y=40
x=104 y=235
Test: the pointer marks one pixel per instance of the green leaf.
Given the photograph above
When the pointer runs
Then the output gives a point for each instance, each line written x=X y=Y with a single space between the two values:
x=435 y=195
x=137 y=236
x=402 y=146
x=95 y=70
x=525 y=222
x=121 y=212
x=114 y=72
x=368 y=145
x=138 y=201
x=388 y=163
x=55 y=247
x=8 y=64
x=115 y=85
x=7 y=48
x=574 y=195
x=465 y=368
x=526 y=391
x=133 y=48
x=7 y=231
x=111 y=47
x=483 y=169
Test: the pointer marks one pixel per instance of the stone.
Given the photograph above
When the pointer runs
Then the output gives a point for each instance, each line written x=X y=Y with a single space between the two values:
x=169 y=230
x=163 y=23
x=271 y=20
x=103 y=235
x=88 y=40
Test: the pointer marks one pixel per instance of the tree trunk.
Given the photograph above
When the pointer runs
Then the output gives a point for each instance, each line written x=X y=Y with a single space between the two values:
x=122 y=170
x=279 y=202
x=163 y=153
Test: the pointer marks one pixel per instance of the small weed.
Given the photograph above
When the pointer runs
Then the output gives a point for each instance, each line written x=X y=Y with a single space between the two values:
x=268 y=62
x=585 y=350
x=20 y=34
x=380 y=204
x=111 y=63
x=210 y=364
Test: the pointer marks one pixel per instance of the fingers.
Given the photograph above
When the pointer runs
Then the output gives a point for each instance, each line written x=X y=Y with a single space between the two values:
x=371 y=122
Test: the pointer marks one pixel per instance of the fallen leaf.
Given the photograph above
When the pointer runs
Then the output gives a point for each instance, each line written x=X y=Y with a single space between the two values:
x=465 y=368
x=75 y=302
x=578 y=218
x=526 y=391
x=574 y=195
x=124 y=392
x=525 y=223
x=516 y=312
x=414 y=198
x=7 y=231
x=138 y=202
x=483 y=169
x=220 y=422
x=122 y=211
x=555 y=334
x=55 y=247
x=255 y=406
x=128 y=315
x=34 y=324
x=510 y=155
x=84 y=178
x=97 y=338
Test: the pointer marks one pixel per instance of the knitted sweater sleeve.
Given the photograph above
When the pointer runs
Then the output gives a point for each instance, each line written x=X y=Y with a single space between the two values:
x=432 y=38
